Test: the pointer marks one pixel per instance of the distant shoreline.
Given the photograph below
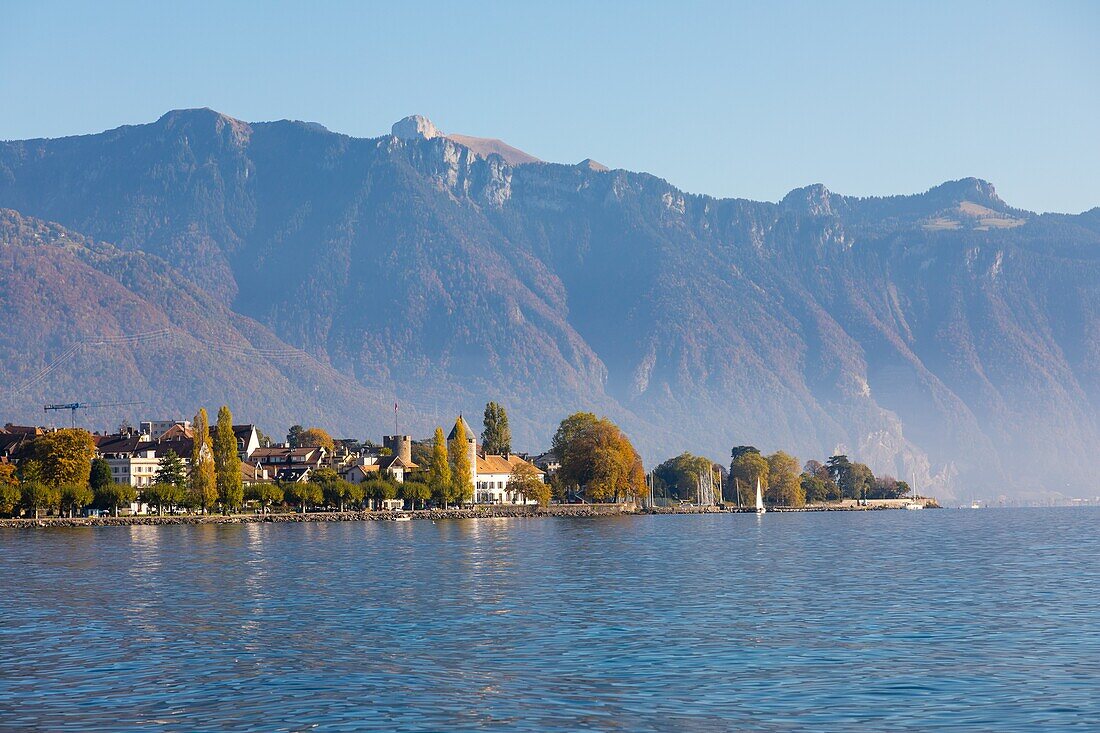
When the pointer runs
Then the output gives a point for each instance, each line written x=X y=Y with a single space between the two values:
x=479 y=512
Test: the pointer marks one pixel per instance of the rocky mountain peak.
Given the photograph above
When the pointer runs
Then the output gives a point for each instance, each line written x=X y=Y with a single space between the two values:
x=593 y=165
x=974 y=190
x=813 y=200
x=415 y=127
x=205 y=120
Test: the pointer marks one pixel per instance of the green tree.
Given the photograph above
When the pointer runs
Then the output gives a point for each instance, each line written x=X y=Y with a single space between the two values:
x=564 y=444
x=100 y=474
x=526 y=481
x=840 y=469
x=266 y=494
x=293 y=436
x=10 y=495
x=203 y=483
x=355 y=494
x=680 y=476
x=37 y=496
x=862 y=481
x=302 y=493
x=415 y=493
x=378 y=490
x=496 y=438
x=462 y=477
x=114 y=495
x=334 y=490
x=153 y=495
x=439 y=470
x=784 y=481
x=888 y=487
x=814 y=489
x=74 y=497
x=171 y=470
x=745 y=471
x=817 y=482
x=740 y=450
x=227 y=462
x=160 y=495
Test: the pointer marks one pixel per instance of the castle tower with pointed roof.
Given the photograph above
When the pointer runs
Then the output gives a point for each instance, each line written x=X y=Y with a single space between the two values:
x=471 y=443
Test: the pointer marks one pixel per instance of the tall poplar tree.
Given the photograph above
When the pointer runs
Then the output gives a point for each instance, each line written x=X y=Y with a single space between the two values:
x=496 y=438
x=203 y=484
x=227 y=462
x=462 y=478
x=439 y=470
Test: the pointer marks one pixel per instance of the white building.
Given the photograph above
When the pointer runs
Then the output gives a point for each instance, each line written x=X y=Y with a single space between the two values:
x=157 y=428
x=491 y=472
x=492 y=476
x=135 y=460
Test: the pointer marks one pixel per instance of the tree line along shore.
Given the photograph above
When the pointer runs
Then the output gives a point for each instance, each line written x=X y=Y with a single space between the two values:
x=62 y=473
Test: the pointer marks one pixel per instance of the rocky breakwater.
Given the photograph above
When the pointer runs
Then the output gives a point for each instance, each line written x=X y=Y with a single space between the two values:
x=478 y=512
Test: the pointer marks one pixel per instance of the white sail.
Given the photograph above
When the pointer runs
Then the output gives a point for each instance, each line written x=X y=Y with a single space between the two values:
x=759 y=498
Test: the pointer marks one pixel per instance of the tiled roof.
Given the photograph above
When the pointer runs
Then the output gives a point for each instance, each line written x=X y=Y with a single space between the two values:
x=177 y=431
x=12 y=442
x=297 y=473
x=183 y=447
x=251 y=472
x=395 y=461
x=114 y=444
x=284 y=453
x=23 y=429
x=499 y=464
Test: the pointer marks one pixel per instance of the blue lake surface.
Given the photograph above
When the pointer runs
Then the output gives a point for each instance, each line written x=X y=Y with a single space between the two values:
x=954 y=620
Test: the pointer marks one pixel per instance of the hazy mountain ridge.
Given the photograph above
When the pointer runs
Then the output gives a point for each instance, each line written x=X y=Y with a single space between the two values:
x=65 y=294
x=930 y=334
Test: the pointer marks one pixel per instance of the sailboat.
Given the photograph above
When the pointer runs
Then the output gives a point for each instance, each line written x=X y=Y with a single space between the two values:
x=913 y=503
x=759 y=499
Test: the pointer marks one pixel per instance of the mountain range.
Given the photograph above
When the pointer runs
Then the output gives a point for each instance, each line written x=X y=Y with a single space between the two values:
x=304 y=276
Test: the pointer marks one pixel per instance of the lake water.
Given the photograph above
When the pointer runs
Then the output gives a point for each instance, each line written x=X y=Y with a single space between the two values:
x=962 y=620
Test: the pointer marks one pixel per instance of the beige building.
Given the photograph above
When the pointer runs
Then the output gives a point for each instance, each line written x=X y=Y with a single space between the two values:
x=491 y=473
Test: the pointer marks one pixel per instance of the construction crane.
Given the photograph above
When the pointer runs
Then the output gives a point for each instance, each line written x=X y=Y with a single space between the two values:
x=72 y=407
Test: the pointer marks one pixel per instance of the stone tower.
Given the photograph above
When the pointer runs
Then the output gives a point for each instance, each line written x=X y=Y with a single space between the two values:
x=401 y=445
x=471 y=442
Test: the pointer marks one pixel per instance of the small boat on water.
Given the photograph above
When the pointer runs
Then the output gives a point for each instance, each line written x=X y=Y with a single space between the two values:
x=759 y=499
x=975 y=505
x=402 y=518
x=914 y=505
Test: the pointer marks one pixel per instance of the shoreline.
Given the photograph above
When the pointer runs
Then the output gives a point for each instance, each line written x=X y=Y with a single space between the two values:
x=481 y=512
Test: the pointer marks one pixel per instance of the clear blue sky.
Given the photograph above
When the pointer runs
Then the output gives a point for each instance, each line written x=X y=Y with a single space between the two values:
x=731 y=100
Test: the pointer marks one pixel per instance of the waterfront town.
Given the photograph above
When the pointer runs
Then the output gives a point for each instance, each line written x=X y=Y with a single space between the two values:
x=184 y=467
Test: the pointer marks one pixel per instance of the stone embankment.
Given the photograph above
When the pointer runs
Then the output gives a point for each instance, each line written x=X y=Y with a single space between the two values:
x=478 y=512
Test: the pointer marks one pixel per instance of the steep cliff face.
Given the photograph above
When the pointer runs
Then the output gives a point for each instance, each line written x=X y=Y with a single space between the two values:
x=945 y=337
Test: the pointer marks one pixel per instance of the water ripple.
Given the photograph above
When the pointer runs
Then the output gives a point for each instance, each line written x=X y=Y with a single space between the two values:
x=892 y=621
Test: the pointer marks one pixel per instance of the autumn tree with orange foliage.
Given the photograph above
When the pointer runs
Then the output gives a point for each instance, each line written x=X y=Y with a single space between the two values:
x=598 y=459
x=312 y=437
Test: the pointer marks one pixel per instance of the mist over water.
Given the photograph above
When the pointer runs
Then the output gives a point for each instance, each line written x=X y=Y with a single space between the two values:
x=972 y=620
